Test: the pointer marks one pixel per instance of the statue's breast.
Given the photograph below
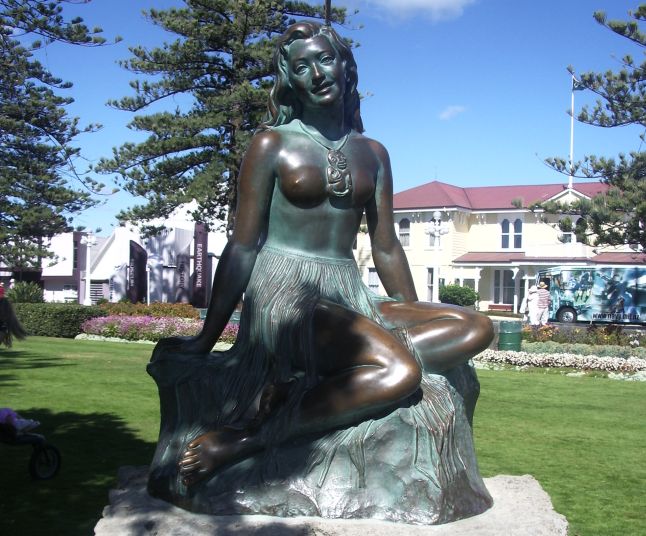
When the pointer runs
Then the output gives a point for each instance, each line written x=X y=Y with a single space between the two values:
x=305 y=184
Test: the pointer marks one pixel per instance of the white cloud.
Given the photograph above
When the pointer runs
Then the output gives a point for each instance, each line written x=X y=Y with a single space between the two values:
x=436 y=9
x=451 y=111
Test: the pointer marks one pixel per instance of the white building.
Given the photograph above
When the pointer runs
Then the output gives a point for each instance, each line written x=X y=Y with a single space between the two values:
x=165 y=265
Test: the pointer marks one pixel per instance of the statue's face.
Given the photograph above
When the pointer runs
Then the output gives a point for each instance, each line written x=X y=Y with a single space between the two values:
x=316 y=72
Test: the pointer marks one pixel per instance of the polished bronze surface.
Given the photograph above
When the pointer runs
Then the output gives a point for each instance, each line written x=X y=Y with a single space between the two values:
x=308 y=178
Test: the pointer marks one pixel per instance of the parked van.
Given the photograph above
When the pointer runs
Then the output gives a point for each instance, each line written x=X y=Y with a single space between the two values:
x=596 y=294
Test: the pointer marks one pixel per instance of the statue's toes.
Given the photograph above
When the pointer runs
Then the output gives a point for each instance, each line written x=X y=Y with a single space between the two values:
x=189 y=463
x=195 y=444
x=193 y=477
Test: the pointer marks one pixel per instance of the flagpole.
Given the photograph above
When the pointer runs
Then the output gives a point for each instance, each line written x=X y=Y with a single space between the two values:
x=571 y=135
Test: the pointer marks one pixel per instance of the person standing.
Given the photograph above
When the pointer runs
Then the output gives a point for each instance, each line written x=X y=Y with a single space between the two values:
x=532 y=305
x=543 y=304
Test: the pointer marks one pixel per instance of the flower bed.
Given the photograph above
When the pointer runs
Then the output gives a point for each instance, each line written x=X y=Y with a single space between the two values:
x=604 y=350
x=561 y=360
x=149 y=328
x=146 y=328
x=612 y=334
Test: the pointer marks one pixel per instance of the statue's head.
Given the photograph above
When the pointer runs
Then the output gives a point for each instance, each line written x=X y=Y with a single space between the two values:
x=284 y=103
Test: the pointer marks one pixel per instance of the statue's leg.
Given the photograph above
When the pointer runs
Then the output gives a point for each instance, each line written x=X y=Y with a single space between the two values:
x=363 y=368
x=445 y=336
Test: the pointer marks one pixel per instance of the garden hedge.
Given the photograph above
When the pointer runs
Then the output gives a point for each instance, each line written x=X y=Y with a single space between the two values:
x=55 y=319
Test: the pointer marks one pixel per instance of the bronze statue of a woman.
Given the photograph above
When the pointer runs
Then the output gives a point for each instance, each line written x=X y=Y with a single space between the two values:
x=316 y=350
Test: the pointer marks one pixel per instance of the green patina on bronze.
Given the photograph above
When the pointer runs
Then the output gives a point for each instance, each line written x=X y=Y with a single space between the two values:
x=333 y=401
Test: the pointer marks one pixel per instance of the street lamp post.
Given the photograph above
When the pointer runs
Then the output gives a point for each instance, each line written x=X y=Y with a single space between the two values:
x=89 y=240
x=436 y=228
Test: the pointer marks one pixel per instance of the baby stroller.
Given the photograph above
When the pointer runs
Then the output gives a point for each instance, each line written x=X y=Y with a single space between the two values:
x=45 y=460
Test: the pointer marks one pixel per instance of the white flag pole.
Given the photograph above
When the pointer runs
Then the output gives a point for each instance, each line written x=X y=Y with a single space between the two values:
x=571 y=135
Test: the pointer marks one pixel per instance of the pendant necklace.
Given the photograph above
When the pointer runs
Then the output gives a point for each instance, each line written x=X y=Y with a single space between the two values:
x=339 y=180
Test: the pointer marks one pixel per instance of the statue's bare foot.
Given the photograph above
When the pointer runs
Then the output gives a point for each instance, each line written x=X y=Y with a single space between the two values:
x=214 y=450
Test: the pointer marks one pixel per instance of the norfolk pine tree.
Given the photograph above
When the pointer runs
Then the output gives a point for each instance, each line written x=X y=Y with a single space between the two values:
x=220 y=66
x=619 y=216
x=37 y=197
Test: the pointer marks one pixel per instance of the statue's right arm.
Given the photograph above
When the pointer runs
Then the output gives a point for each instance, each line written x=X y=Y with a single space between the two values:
x=255 y=186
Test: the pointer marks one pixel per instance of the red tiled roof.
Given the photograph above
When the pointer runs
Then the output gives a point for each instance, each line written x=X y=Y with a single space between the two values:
x=501 y=257
x=440 y=195
x=620 y=258
x=491 y=256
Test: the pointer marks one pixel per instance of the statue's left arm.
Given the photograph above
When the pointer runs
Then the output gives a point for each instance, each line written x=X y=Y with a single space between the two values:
x=387 y=253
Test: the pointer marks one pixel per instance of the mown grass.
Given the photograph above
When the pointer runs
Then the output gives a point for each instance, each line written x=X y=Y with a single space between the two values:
x=583 y=438
x=96 y=404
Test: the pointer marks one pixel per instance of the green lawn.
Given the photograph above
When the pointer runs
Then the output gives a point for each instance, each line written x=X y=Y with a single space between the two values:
x=583 y=438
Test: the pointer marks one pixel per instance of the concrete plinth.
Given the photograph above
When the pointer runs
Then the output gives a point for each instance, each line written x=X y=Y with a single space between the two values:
x=521 y=508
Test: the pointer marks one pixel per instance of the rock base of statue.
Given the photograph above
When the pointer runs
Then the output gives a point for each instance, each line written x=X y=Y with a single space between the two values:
x=521 y=508
x=416 y=464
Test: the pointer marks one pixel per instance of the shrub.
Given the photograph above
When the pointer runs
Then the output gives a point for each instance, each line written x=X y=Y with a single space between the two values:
x=25 y=292
x=156 y=309
x=54 y=319
x=458 y=295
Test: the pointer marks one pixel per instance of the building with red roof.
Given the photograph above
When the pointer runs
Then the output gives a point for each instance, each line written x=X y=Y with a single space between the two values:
x=488 y=238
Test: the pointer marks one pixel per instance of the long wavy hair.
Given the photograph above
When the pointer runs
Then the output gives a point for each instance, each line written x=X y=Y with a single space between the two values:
x=283 y=105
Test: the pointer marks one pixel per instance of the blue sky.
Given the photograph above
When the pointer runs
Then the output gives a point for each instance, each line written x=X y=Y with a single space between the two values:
x=469 y=92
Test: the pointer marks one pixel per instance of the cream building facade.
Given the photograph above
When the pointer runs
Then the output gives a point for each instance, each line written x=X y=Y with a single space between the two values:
x=485 y=238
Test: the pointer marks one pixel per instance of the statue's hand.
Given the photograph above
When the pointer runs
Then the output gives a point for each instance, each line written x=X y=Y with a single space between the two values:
x=183 y=345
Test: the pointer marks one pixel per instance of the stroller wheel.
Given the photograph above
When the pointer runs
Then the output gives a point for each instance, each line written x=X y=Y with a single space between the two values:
x=45 y=462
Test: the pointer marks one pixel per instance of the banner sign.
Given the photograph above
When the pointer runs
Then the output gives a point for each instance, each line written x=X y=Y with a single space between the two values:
x=200 y=266
x=136 y=287
x=182 y=275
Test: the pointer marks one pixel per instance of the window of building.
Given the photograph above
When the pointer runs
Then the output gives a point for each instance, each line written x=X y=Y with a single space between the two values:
x=503 y=286
x=504 y=228
x=468 y=282
x=433 y=240
x=518 y=233
x=429 y=284
x=96 y=291
x=373 y=280
x=404 y=232
x=511 y=236
x=75 y=255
